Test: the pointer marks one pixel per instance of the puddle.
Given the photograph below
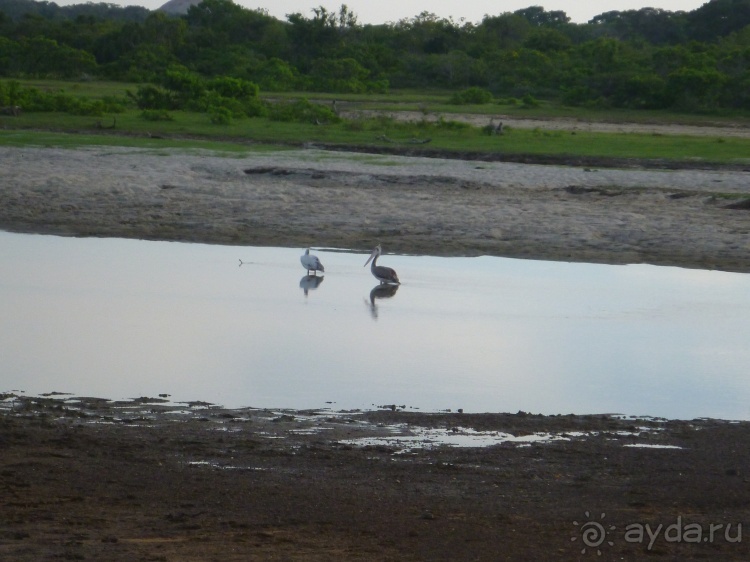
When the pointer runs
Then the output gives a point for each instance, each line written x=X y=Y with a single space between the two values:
x=293 y=429
x=648 y=446
x=211 y=464
x=424 y=438
x=409 y=438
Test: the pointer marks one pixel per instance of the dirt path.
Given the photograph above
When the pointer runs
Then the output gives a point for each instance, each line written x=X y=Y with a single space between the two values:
x=562 y=124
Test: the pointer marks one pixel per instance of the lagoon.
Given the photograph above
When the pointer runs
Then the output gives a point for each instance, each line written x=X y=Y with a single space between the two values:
x=245 y=327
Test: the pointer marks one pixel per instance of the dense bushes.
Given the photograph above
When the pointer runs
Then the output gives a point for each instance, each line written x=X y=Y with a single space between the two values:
x=208 y=59
x=222 y=97
x=33 y=99
x=473 y=95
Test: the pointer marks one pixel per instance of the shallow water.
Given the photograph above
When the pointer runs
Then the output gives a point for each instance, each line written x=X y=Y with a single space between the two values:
x=124 y=318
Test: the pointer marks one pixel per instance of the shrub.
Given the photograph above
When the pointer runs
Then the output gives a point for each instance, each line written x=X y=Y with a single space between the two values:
x=451 y=125
x=507 y=101
x=151 y=97
x=220 y=116
x=473 y=95
x=529 y=101
x=302 y=111
x=156 y=115
x=80 y=106
x=113 y=104
x=233 y=88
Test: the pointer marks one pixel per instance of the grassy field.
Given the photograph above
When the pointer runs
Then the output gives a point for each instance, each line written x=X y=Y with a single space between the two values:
x=195 y=130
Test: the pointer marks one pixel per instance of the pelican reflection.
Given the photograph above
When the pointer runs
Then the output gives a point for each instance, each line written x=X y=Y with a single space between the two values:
x=382 y=291
x=310 y=282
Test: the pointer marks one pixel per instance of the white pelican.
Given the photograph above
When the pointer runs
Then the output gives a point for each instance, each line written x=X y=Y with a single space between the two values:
x=381 y=273
x=311 y=263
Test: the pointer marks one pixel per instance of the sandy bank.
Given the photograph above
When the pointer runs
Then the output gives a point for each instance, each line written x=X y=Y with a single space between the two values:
x=412 y=205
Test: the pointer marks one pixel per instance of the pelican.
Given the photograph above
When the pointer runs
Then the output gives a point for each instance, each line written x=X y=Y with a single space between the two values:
x=381 y=273
x=311 y=263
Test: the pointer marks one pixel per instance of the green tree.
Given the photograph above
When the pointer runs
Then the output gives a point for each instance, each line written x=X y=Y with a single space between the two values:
x=275 y=75
x=538 y=16
x=658 y=27
x=10 y=57
x=325 y=35
x=338 y=75
x=46 y=58
x=500 y=33
x=547 y=40
x=693 y=89
x=521 y=71
x=718 y=18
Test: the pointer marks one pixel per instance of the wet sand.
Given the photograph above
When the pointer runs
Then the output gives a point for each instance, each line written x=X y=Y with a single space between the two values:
x=88 y=479
x=312 y=197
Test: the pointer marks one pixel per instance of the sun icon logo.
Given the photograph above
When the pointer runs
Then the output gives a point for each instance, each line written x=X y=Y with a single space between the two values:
x=593 y=534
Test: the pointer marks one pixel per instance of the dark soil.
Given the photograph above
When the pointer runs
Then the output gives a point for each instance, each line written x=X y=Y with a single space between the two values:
x=88 y=479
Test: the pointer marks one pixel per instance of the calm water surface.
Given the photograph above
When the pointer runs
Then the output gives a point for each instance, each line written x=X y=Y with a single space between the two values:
x=122 y=318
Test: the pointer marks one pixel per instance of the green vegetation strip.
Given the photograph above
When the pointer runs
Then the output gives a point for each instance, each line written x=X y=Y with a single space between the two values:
x=194 y=131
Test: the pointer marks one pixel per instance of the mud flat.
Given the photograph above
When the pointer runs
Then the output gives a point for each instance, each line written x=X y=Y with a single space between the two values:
x=683 y=217
x=91 y=479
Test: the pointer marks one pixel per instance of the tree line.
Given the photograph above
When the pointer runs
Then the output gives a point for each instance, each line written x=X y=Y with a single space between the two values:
x=647 y=58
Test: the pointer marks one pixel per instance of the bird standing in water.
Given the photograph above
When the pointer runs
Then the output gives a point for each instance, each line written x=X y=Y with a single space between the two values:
x=311 y=263
x=381 y=273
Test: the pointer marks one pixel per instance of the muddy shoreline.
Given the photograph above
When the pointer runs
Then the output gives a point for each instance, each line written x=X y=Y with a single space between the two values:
x=413 y=205
x=90 y=479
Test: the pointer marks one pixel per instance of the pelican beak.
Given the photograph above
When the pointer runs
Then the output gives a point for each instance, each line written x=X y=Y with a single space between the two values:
x=370 y=258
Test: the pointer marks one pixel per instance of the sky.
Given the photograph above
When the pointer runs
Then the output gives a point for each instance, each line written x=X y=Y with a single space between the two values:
x=369 y=12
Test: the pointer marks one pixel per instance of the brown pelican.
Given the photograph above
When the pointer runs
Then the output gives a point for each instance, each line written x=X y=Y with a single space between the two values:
x=381 y=273
x=311 y=263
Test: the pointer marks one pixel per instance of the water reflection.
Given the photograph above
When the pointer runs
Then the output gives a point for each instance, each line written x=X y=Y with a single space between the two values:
x=482 y=334
x=310 y=283
x=381 y=291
